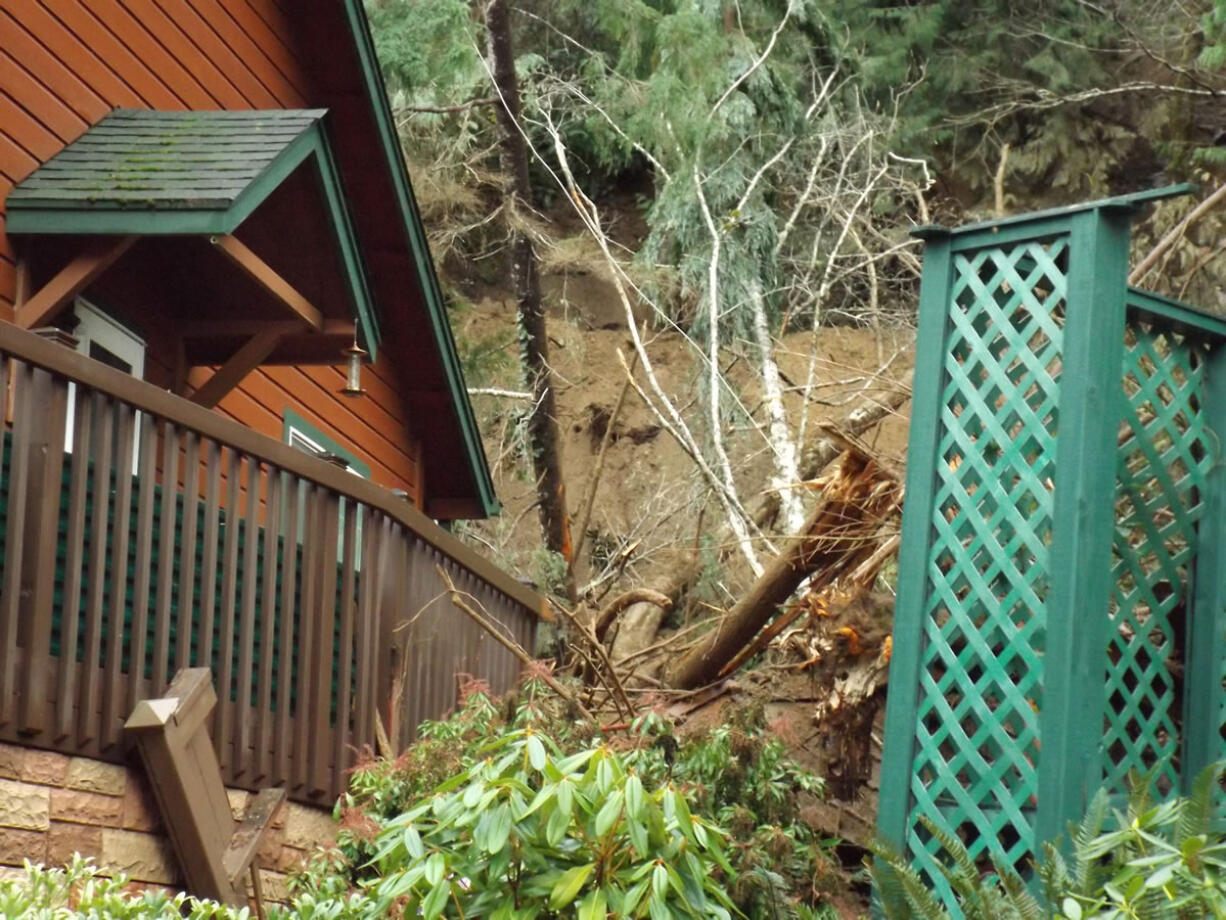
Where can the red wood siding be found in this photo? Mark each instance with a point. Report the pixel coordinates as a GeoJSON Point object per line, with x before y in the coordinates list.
{"type": "Point", "coordinates": [371, 427]}
{"type": "Point", "coordinates": [64, 64]}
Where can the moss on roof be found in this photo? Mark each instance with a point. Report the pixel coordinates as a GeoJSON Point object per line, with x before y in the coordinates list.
{"type": "Point", "coordinates": [164, 160]}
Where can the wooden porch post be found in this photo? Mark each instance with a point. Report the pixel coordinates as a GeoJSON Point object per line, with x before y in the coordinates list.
{"type": "Point", "coordinates": [172, 733]}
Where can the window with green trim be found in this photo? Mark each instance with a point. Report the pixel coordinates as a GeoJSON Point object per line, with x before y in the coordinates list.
{"type": "Point", "coordinates": [298, 432]}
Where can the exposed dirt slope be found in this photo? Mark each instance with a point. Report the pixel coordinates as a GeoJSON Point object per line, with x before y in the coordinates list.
{"type": "Point", "coordinates": [649, 491]}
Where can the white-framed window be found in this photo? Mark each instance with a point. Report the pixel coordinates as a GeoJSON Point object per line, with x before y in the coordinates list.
{"type": "Point", "coordinates": [103, 338]}
{"type": "Point", "coordinates": [298, 432]}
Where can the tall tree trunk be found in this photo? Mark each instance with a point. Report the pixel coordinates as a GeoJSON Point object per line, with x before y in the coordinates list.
{"type": "Point", "coordinates": [543, 442]}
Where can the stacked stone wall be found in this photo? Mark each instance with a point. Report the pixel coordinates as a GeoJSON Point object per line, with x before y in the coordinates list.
{"type": "Point", "coordinates": [53, 805]}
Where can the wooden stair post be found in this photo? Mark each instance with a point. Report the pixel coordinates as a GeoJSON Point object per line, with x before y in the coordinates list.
{"type": "Point", "coordinates": [214, 850]}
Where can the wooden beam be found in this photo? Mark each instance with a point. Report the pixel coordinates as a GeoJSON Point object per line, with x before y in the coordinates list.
{"type": "Point", "coordinates": [98, 255]}
{"type": "Point", "coordinates": [22, 292]}
{"type": "Point", "coordinates": [245, 360]}
{"type": "Point", "coordinates": [264, 275]}
{"type": "Point", "coordinates": [221, 328]}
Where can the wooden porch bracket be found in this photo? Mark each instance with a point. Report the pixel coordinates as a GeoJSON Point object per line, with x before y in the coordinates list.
{"type": "Point", "coordinates": [243, 362]}
{"type": "Point", "coordinates": [97, 256]}
{"type": "Point", "coordinates": [263, 274]}
{"type": "Point", "coordinates": [215, 852]}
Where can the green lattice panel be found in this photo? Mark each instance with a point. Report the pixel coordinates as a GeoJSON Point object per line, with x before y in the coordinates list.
{"type": "Point", "coordinates": [975, 770]}
{"type": "Point", "coordinates": [1164, 457]}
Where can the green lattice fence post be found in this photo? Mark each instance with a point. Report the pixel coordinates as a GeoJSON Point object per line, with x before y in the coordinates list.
{"type": "Point", "coordinates": [1071, 720]}
{"type": "Point", "coordinates": [899, 751]}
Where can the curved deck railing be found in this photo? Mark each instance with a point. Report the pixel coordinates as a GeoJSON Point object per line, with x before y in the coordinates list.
{"type": "Point", "coordinates": [142, 533]}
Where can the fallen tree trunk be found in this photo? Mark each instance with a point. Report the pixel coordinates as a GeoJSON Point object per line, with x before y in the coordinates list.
{"type": "Point", "coordinates": [639, 623]}
{"type": "Point", "coordinates": [839, 533]}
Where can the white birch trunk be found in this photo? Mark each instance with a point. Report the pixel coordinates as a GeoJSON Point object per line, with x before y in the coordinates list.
{"type": "Point", "coordinates": [786, 475]}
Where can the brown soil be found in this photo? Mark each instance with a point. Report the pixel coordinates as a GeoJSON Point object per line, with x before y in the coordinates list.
{"type": "Point", "coordinates": [650, 491]}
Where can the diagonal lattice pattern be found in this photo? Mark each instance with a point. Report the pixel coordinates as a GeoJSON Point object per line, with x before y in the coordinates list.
{"type": "Point", "coordinates": [1164, 457]}
{"type": "Point", "coordinates": [982, 666]}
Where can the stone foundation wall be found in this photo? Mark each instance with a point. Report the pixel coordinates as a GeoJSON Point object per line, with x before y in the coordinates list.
{"type": "Point", "coordinates": [52, 805]}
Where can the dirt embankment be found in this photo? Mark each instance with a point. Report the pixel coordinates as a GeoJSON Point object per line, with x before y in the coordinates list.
{"type": "Point", "coordinates": [650, 496]}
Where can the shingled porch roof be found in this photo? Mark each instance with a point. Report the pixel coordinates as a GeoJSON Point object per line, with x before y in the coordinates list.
{"type": "Point", "coordinates": [173, 173]}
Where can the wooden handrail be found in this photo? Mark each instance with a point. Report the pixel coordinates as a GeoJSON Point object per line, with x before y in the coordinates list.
{"type": "Point", "coordinates": [146, 397]}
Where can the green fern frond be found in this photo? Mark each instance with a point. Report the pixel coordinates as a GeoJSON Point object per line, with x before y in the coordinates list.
{"type": "Point", "coordinates": [1095, 817]}
{"type": "Point", "coordinates": [1197, 811]}
{"type": "Point", "coordinates": [1018, 896]}
{"type": "Point", "coordinates": [963, 877]}
{"type": "Point", "coordinates": [1088, 874]}
{"type": "Point", "coordinates": [924, 904]}
{"type": "Point", "coordinates": [1053, 873]}
{"type": "Point", "coordinates": [887, 868]}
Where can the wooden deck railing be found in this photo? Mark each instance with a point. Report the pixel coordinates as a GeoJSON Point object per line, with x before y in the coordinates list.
{"type": "Point", "coordinates": [143, 534]}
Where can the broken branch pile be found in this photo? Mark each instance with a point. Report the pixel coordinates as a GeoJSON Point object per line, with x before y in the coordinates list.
{"type": "Point", "coordinates": [855, 515]}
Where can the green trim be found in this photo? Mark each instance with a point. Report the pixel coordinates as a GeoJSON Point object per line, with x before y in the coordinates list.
{"type": "Point", "coordinates": [346, 241]}
{"type": "Point", "coordinates": [49, 221]}
{"type": "Point", "coordinates": [292, 419]}
{"type": "Point", "coordinates": [1128, 203]}
{"type": "Point", "coordinates": [1011, 235]}
{"type": "Point", "coordinates": [1180, 316]}
{"type": "Point", "coordinates": [416, 238]}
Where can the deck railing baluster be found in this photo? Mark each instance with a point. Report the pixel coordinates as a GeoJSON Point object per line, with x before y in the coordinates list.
{"type": "Point", "coordinates": [224, 671]}
{"type": "Point", "coordinates": [289, 640]}
{"type": "Point", "coordinates": [138, 637]}
{"type": "Point", "coordinates": [269, 617]}
{"type": "Point", "coordinates": [187, 556]}
{"type": "Point", "coordinates": [17, 506]}
{"type": "Point", "coordinates": [250, 590]}
{"type": "Point", "coordinates": [113, 697]}
{"type": "Point", "coordinates": [95, 600]}
{"type": "Point", "coordinates": [169, 526]}
{"type": "Point", "coordinates": [45, 477]}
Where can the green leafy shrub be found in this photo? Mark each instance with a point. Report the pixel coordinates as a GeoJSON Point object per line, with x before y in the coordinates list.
{"type": "Point", "coordinates": [527, 831]}
{"type": "Point", "coordinates": [1149, 860]}
{"type": "Point", "coordinates": [736, 776]}
{"type": "Point", "coordinates": [740, 775]}
{"type": "Point", "coordinates": [1153, 859]}
{"type": "Point", "coordinates": [79, 891]}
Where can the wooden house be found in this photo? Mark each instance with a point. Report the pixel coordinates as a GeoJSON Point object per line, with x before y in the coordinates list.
{"type": "Point", "coordinates": [205, 215]}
